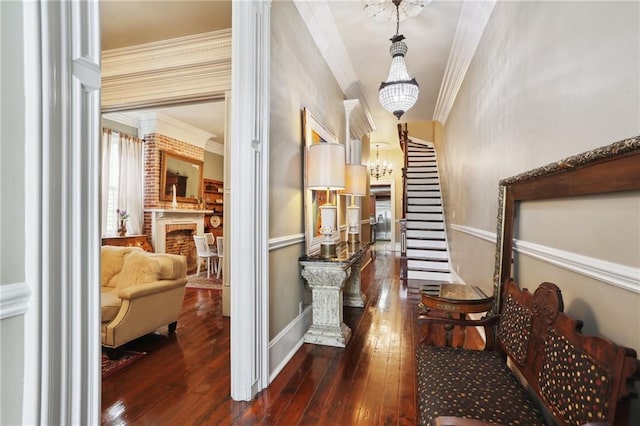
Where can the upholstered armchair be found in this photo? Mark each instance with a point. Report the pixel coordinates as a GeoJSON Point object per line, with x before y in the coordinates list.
{"type": "Point", "coordinates": [140, 291]}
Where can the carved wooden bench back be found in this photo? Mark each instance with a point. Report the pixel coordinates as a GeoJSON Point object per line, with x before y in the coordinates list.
{"type": "Point", "coordinates": [579, 378]}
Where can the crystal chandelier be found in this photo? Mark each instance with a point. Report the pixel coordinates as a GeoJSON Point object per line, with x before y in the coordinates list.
{"type": "Point", "coordinates": [378, 170]}
{"type": "Point", "coordinates": [400, 92]}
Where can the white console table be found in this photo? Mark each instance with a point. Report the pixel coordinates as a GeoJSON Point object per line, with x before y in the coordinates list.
{"type": "Point", "coordinates": [333, 282]}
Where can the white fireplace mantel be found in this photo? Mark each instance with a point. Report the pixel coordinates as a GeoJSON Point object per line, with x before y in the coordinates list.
{"type": "Point", "coordinates": [160, 218]}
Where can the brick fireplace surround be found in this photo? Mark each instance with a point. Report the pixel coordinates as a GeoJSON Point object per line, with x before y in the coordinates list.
{"type": "Point", "coordinates": [176, 227]}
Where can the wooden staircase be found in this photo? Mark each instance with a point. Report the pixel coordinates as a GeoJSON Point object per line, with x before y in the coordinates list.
{"type": "Point", "coordinates": [426, 256]}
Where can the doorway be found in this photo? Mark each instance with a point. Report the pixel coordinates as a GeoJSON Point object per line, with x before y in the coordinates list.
{"type": "Point", "coordinates": [382, 204]}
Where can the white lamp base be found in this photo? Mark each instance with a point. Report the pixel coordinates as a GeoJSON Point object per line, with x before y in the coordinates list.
{"type": "Point", "coordinates": [353, 221]}
{"type": "Point", "coordinates": [328, 214]}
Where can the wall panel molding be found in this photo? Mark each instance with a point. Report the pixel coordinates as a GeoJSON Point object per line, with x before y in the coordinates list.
{"type": "Point", "coordinates": [615, 274]}
{"type": "Point", "coordinates": [285, 241]}
{"type": "Point", "coordinates": [14, 299]}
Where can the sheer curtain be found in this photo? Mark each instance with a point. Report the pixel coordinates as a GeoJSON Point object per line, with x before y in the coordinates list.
{"type": "Point", "coordinates": [122, 181]}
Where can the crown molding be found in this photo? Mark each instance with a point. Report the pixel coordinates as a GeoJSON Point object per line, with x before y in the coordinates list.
{"type": "Point", "coordinates": [473, 19]}
{"type": "Point", "coordinates": [322, 27]}
{"type": "Point", "coordinates": [214, 147]}
{"type": "Point", "coordinates": [153, 122]}
{"type": "Point", "coordinates": [205, 48]}
{"type": "Point", "coordinates": [176, 70]}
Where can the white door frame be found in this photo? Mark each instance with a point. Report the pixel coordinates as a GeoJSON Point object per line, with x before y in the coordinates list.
{"type": "Point", "coordinates": [62, 133]}
{"type": "Point", "coordinates": [62, 129]}
{"type": "Point", "coordinates": [249, 225]}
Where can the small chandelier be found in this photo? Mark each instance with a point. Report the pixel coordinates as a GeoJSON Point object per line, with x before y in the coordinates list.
{"type": "Point", "coordinates": [378, 170]}
{"type": "Point", "coordinates": [400, 92]}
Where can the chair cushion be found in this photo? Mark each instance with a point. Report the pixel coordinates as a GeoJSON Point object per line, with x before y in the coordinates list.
{"type": "Point", "coordinates": [111, 261]}
{"type": "Point", "coordinates": [514, 330]}
{"type": "Point", "coordinates": [138, 268]}
{"type": "Point", "coordinates": [472, 384]}
{"type": "Point", "coordinates": [572, 382]}
{"type": "Point", "coordinates": [110, 304]}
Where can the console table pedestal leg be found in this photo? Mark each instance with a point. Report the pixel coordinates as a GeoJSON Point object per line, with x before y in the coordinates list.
{"type": "Point", "coordinates": [327, 327]}
{"type": "Point", "coordinates": [353, 295]}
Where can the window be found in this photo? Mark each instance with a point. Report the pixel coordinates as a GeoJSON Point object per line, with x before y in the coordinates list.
{"type": "Point", "coordinates": [122, 182]}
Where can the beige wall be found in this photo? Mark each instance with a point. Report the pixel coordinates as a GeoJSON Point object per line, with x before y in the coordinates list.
{"type": "Point", "coordinates": [12, 214]}
{"type": "Point", "coordinates": [213, 166]}
{"type": "Point", "coordinates": [299, 78]}
{"type": "Point", "coordinates": [549, 80]}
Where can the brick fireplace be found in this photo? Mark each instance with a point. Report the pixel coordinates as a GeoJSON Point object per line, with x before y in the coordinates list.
{"type": "Point", "coordinates": [179, 240]}
{"type": "Point", "coordinates": [172, 231]}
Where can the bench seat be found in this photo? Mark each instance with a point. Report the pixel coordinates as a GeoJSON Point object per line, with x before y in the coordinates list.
{"type": "Point", "coordinates": [471, 384]}
{"type": "Point", "coordinates": [573, 378]}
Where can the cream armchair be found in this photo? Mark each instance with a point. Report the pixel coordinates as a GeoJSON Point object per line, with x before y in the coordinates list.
{"type": "Point", "coordinates": [140, 291]}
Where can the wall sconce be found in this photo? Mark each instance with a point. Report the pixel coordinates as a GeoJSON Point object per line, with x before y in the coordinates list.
{"type": "Point", "coordinates": [326, 171]}
{"type": "Point", "coordinates": [356, 186]}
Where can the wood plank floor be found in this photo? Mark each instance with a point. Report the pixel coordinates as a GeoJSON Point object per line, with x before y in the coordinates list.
{"type": "Point", "coordinates": [184, 379]}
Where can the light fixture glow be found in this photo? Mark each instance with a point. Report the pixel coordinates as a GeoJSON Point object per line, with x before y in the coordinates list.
{"type": "Point", "coordinates": [399, 92]}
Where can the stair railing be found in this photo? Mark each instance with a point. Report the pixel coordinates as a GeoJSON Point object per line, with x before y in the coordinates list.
{"type": "Point", "coordinates": [403, 137]}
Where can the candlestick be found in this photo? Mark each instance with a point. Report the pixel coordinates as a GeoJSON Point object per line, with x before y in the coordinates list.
{"type": "Point", "coordinates": [174, 203]}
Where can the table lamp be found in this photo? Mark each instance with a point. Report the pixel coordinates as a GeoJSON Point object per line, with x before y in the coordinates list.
{"type": "Point", "coordinates": [325, 172]}
{"type": "Point", "coordinates": [356, 186]}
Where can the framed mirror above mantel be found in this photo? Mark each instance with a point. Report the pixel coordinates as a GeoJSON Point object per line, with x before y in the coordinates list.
{"type": "Point", "coordinates": [182, 175]}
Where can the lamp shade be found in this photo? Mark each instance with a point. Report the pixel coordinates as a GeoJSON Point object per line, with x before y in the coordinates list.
{"type": "Point", "coordinates": [326, 166]}
{"type": "Point", "coordinates": [355, 180]}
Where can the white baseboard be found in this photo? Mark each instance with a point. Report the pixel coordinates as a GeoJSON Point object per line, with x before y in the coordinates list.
{"type": "Point", "coordinates": [284, 346]}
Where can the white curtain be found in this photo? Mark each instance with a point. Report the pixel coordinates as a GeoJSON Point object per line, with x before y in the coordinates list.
{"type": "Point", "coordinates": [122, 181]}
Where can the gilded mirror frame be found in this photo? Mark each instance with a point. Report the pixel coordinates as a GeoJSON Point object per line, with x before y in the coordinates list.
{"type": "Point", "coordinates": [608, 169]}
{"type": "Point", "coordinates": [170, 162]}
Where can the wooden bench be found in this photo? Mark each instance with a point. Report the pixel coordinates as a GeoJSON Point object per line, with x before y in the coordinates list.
{"type": "Point", "coordinates": [542, 370]}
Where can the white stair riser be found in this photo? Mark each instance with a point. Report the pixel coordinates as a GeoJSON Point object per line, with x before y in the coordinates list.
{"type": "Point", "coordinates": [423, 208]}
{"type": "Point", "coordinates": [422, 216]}
{"type": "Point", "coordinates": [412, 223]}
{"type": "Point", "coordinates": [420, 275]}
{"type": "Point", "coordinates": [418, 202]}
{"type": "Point", "coordinates": [423, 180]}
{"type": "Point", "coordinates": [432, 254]}
{"type": "Point", "coordinates": [424, 234]}
{"type": "Point", "coordinates": [427, 264]}
{"type": "Point", "coordinates": [424, 169]}
{"type": "Point", "coordinates": [426, 231]}
{"type": "Point", "coordinates": [430, 233]}
{"type": "Point", "coordinates": [423, 194]}
{"type": "Point", "coordinates": [422, 190]}
{"type": "Point", "coordinates": [426, 226]}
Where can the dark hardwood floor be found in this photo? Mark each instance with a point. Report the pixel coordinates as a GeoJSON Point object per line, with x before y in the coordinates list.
{"type": "Point", "coordinates": [184, 379]}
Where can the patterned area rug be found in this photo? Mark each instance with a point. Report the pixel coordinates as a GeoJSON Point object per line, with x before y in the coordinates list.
{"type": "Point", "coordinates": [110, 366]}
{"type": "Point", "coordinates": [201, 281]}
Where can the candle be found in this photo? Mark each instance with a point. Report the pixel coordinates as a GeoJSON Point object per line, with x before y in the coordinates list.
{"type": "Point", "coordinates": [174, 203]}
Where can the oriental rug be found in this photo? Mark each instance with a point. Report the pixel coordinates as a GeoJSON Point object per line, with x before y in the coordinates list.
{"type": "Point", "coordinates": [111, 366]}
{"type": "Point", "coordinates": [202, 282]}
